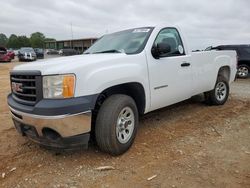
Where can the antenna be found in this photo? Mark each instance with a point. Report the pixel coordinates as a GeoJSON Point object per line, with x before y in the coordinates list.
{"type": "Point", "coordinates": [71, 30]}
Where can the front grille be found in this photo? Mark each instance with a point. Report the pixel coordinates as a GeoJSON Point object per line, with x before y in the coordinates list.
{"type": "Point", "coordinates": [26, 88]}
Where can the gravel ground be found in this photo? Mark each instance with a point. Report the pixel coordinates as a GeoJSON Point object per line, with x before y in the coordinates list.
{"type": "Point", "coordinates": [185, 145]}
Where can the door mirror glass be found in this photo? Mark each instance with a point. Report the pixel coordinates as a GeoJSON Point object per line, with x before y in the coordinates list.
{"type": "Point", "coordinates": [163, 48]}
{"type": "Point", "coordinates": [160, 50]}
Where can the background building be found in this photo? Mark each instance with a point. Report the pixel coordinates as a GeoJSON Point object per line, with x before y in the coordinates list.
{"type": "Point", "coordinates": [77, 44]}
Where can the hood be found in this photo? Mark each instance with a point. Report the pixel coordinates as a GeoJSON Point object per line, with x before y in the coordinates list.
{"type": "Point", "coordinates": [69, 64]}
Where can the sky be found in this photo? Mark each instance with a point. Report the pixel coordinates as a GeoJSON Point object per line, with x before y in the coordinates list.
{"type": "Point", "coordinates": [204, 23]}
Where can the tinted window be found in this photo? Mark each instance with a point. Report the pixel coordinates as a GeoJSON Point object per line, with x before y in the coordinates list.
{"type": "Point", "coordinates": [227, 48]}
{"type": "Point", "coordinates": [39, 50]}
{"type": "Point", "coordinates": [26, 50]}
{"type": "Point", "coordinates": [246, 50]}
{"type": "Point", "coordinates": [172, 38]}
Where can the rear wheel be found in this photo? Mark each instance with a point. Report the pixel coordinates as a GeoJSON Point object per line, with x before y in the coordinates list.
{"type": "Point", "coordinates": [116, 124]}
{"type": "Point", "coordinates": [220, 93]}
{"type": "Point", "coordinates": [243, 71]}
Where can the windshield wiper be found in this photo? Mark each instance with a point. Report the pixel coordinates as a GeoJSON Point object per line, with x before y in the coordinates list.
{"type": "Point", "coordinates": [108, 51]}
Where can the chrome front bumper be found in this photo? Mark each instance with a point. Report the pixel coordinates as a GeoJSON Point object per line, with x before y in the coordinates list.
{"type": "Point", "coordinates": [67, 125]}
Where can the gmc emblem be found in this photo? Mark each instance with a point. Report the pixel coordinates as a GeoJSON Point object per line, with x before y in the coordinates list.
{"type": "Point", "coordinates": [17, 87]}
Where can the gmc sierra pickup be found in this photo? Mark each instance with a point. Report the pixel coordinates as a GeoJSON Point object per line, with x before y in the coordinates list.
{"type": "Point", "coordinates": [60, 102]}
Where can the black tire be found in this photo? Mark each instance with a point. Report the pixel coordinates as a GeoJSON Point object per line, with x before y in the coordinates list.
{"type": "Point", "coordinates": [243, 71]}
{"type": "Point", "coordinates": [212, 97]}
{"type": "Point", "coordinates": [106, 124]}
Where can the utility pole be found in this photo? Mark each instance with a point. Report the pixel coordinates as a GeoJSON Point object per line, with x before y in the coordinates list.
{"type": "Point", "coordinates": [71, 35]}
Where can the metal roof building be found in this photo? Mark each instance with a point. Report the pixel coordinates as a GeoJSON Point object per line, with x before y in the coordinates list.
{"type": "Point", "coordinates": [77, 44]}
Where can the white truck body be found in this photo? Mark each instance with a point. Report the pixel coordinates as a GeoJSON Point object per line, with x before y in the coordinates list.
{"type": "Point", "coordinates": [97, 72]}
{"type": "Point", "coordinates": [164, 80]}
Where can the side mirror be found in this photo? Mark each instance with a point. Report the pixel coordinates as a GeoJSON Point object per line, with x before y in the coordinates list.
{"type": "Point", "coordinates": [160, 49]}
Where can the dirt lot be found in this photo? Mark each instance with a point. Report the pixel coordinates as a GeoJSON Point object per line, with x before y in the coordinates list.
{"type": "Point", "coordinates": [186, 145]}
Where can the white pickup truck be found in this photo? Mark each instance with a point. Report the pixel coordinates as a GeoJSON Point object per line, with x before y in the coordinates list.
{"type": "Point", "coordinates": [60, 102]}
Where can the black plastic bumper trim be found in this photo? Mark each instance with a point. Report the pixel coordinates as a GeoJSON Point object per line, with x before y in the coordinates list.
{"type": "Point", "coordinates": [69, 143]}
{"type": "Point", "coordinates": [53, 107]}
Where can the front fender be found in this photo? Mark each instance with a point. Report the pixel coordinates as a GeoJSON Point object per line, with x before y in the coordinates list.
{"type": "Point", "coordinates": [103, 76]}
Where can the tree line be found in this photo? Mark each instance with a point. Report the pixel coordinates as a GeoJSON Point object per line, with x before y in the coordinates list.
{"type": "Point", "coordinates": [36, 40]}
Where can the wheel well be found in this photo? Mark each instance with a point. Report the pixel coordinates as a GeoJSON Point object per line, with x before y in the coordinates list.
{"type": "Point", "coordinates": [247, 63]}
{"type": "Point", "coordinates": [225, 72]}
{"type": "Point", "coordinates": [132, 89]}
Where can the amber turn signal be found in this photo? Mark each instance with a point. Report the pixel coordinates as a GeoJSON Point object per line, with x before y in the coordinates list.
{"type": "Point", "coordinates": [68, 86]}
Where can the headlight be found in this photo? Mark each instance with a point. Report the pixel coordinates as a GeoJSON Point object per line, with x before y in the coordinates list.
{"type": "Point", "coordinates": [59, 86]}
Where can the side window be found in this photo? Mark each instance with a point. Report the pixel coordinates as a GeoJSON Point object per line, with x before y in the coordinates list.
{"type": "Point", "coordinates": [246, 50]}
{"type": "Point", "coordinates": [171, 37]}
{"type": "Point", "coordinates": [234, 49]}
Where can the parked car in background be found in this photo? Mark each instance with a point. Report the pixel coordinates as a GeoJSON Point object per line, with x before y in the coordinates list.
{"type": "Point", "coordinates": [27, 54]}
{"type": "Point", "coordinates": [11, 54]}
{"type": "Point", "coordinates": [68, 52]}
{"type": "Point", "coordinates": [4, 57]}
{"type": "Point", "coordinates": [16, 52]}
{"type": "Point", "coordinates": [243, 53]}
{"type": "Point", "coordinates": [39, 53]}
{"type": "Point", "coordinates": [51, 51]}
{"type": "Point", "coordinates": [60, 52]}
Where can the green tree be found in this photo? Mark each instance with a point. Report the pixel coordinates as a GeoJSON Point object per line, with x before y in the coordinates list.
{"type": "Point", "coordinates": [23, 41]}
{"type": "Point", "coordinates": [3, 39]}
{"type": "Point", "coordinates": [13, 42]}
{"type": "Point", "coordinates": [49, 39]}
{"type": "Point", "coordinates": [37, 40]}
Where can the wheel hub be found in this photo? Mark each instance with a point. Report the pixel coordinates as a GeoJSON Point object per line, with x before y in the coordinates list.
{"type": "Point", "coordinates": [125, 125]}
{"type": "Point", "coordinates": [243, 71]}
{"type": "Point", "coordinates": [221, 91]}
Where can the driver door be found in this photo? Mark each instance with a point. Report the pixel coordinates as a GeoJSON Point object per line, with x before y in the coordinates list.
{"type": "Point", "coordinates": [171, 74]}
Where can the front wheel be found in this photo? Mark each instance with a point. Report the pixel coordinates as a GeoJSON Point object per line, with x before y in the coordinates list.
{"type": "Point", "coordinates": [243, 71]}
{"type": "Point", "coordinates": [220, 93]}
{"type": "Point", "coordinates": [116, 124]}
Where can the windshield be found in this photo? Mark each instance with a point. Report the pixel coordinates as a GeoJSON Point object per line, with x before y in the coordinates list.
{"type": "Point", "coordinates": [38, 50]}
{"type": "Point", "coordinates": [26, 50]}
{"type": "Point", "coordinates": [130, 41]}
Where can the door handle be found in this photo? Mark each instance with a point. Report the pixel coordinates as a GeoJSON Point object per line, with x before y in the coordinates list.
{"type": "Point", "coordinates": [185, 64]}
